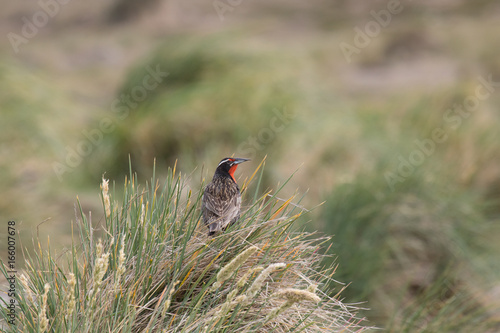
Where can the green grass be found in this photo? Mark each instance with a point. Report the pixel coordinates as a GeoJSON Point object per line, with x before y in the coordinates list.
{"type": "Point", "coordinates": [33, 130]}
{"type": "Point", "coordinates": [151, 267]}
{"type": "Point", "coordinates": [217, 93]}
{"type": "Point", "coordinates": [422, 258]}
{"type": "Point", "coordinates": [414, 253]}
{"type": "Point", "coordinates": [444, 306]}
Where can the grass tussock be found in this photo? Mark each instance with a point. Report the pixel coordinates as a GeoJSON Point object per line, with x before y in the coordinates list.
{"type": "Point", "coordinates": [420, 246]}
{"type": "Point", "coordinates": [150, 267]}
{"type": "Point", "coordinates": [186, 115]}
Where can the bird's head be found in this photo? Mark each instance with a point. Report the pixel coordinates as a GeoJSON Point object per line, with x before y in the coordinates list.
{"type": "Point", "coordinates": [228, 165]}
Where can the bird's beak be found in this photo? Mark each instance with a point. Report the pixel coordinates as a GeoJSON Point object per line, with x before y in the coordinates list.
{"type": "Point", "coordinates": [239, 160]}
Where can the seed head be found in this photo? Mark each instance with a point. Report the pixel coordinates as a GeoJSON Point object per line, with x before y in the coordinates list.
{"type": "Point", "coordinates": [105, 196]}
{"type": "Point", "coordinates": [228, 270]}
{"type": "Point", "coordinates": [43, 321]}
{"type": "Point", "coordinates": [259, 281]}
{"type": "Point", "coordinates": [70, 296]}
{"type": "Point", "coordinates": [26, 287]}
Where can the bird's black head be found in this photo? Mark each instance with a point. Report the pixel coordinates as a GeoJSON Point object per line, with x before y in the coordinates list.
{"type": "Point", "coordinates": [228, 165]}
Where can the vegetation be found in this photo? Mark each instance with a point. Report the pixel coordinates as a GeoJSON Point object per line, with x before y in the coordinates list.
{"type": "Point", "coordinates": [153, 268]}
{"type": "Point", "coordinates": [415, 244]}
{"type": "Point", "coordinates": [409, 249]}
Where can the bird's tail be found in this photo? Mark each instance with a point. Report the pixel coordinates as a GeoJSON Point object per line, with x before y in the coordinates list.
{"type": "Point", "coordinates": [213, 228]}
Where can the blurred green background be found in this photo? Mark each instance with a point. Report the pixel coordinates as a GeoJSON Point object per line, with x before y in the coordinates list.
{"type": "Point", "coordinates": [389, 110]}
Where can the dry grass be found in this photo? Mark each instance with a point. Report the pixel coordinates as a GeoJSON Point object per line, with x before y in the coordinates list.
{"type": "Point", "coordinates": [153, 268]}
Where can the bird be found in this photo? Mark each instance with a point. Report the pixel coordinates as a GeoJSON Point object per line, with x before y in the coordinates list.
{"type": "Point", "coordinates": [221, 201]}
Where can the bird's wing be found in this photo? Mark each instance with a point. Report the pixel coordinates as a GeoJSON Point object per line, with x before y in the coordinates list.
{"type": "Point", "coordinates": [216, 207]}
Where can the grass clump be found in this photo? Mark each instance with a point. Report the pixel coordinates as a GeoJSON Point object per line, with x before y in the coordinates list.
{"type": "Point", "coordinates": [204, 104]}
{"type": "Point", "coordinates": [151, 267]}
{"type": "Point", "coordinates": [420, 246]}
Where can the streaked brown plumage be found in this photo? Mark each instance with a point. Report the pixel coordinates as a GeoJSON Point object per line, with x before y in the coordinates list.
{"type": "Point", "coordinates": [221, 202]}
